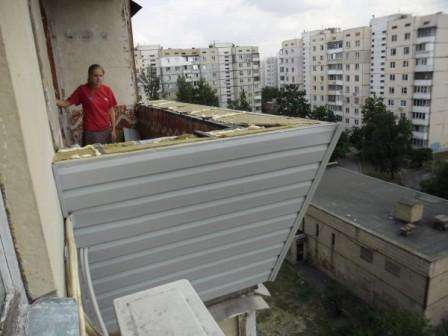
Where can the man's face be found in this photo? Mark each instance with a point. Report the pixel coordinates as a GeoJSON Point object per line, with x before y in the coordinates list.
{"type": "Point", "coordinates": [97, 77]}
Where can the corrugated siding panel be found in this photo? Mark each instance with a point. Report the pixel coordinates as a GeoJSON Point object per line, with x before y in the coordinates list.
{"type": "Point", "coordinates": [216, 213]}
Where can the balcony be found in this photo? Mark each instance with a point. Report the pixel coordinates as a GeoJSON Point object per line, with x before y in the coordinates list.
{"type": "Point", "coordinates": [423, 109]}
{"type": "Point", "coordinates": [335, 50]}
{"type": "Point", "coordinates": [424, 68]}
{"type": "Point", "coordinates": [425, 39]}
{"type": "Point", "coordinates": [420, 95]}
{"type": "Point", "coordinates": [422, 82]}
{"type": "Point", "coordinates": [210, 196]}
{"type": "Point", "coordinates": [420, 122]}
{"type": "Point", "coordinates": [335, 92]}
{"type": "Point", "coordinates": [335, 102]}
{"type": "Point", "coordinates": [335, 71]}
{"type": "Point", "coordinates": [420, 135]}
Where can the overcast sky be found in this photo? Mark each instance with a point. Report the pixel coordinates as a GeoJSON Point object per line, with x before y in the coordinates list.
{"type": "Point", "coordinates": [264, 23]}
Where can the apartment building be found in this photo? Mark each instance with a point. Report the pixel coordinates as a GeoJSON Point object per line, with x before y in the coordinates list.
{"type": "Point", "coordinates": [354, 237]}
{"type": "Point", "coordinates": [269, 72]}
{"type": "Point", "coordinates": [338, 71]}
{"type": "Point", "coordinates": [290, 63]}
{"type": "Point", "coordinates": [401, 58]}
{"type": "Point", "coordinates": [227, 68]}
{"type": "Point", "coordinates": [148, 56]}
{"type": "Point", "coordinates": [410, 73]}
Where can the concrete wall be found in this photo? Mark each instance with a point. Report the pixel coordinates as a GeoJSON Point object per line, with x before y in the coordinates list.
{"type": "Point", "coordinates": [26, 154]}
{"type": "Point", "coordinates": [86, 32]}
{"type": "Point", "coordinates": [409, 289]}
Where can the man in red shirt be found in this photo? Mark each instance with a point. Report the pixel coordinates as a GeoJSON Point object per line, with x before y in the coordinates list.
{"type": "Point", "coordinates": [98, 102]}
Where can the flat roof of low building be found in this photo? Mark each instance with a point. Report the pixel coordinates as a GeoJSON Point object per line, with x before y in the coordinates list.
{"type": "Point", "coordinates": [369, 203]}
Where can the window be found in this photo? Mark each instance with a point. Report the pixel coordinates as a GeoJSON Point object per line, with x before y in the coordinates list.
{"type": "Point", "coordinates": [347, 67]}
{"type": "Point", "coordinates": [333, 239]}
{"type": "Point", "coordinates": [420, 47]}
{"type": "Point", "coordinates": [407, 36]}
{"type": "Point", "coordinates": [392, 64]}
{"type": "Point", "coordinates": [405, 64]}
{"type": "Point", "coordinates": [393, 51]}
{"type": "Point", "coordinates": [347, 78]}
{"type": "Point", "coordinates": [390, 102]}
{"type": "Point", "coordinates": [394, 38]}
{"type": "Point", "coordinates": [366, 254]}
{"type": "Point", "coordinates": [421, 61]}
{"type": "Point", "coordinates": [392, 268]}
{"type": "Point", "coordinates": [357, 43]}
{"type": "Point", "coordinates": [347, 44]}
{"type": "Point", "coordinates": [392, 77]}
{"type": "Point", "coordinates": [347, 120]}
{"type": "Point", "coordinates": [406, 51]}
{"type": "Point", "coordinates": [391, 90]}
{"type": "Point", "coordinates": [403, 103]}
{"type": "Point", "coordinates": [356, 122]}
{"type": "Point", "coordinates": [317, 230]}
{"type": "Point", "coordinates": [356, 66]}
{"type": "Point", "coordinates": [356, 78]}
{"type": "Point", "coordinates": [404, 77]}
{"type": "Point", "coordinates": [404, 90]}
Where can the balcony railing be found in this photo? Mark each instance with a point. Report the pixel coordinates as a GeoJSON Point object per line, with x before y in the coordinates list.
{"type": "Point", "coordinates": [423, 109]}
{"type": "Point", "coordinates": [420, 122]}
{"type": "Point", "coordinates": [420, 135]}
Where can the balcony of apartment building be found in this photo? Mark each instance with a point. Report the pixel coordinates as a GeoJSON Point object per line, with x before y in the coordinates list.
{"type": "Point", "coordinates": [420, 132]}
{"type": "Point", "coordinates": [335, 47]}
{"type": "Point", "coordinates": [335, 100]}
{"type": "Point", "coordinates": [335, 69]}
{"type": "Point", "coordinates": [422, 92]}
{"type": "Point", "coordinates": [426, 35]}
{"type": "Point", "coordinates": [335, 90]}
{"type": "Point", "coordinates": [337, 79]}
{"type": "Point", "coordinates": [424, 49]}
{"type": "Point", "coordinates": [421, 105]}
{"type": "Point", "coordinates": [190, 192]}
{"type": "Point", "coordinates": [420, 119]}
{"type": "Point", "coordinates": [423, 63]}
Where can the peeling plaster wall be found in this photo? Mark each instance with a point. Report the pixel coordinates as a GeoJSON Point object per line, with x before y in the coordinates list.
{"type": "Point", "coordinates": [54, 116]}
{"type": "Point", "coordinates": [26, 154]}
{"type": "Point", "coordinates": [93, 31]}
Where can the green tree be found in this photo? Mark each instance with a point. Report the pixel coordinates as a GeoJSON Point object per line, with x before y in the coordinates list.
{"type": "Point", "coordinates": [385, 143]}
{"type": "Point", "coordinates": [437, 184]}
{"type": "Point", "coordinates": [342, 147]}
{"type": "Point", "coordinates": [150, 82]}
{"type": "Point", "coordinates": [185, 90]}
{"type": "Point", "coordinates": [323, 113]}
{"type": "Point", "coordinates": [202, 93]}
{"type": "Point", "coordinates": [419, 156]}
{"type": "Point", "coordinates": [356, 137]}
{"type": "Point", "coordinates": [292, 102]}
{"type": "Point", "coordinates": [269, 93]}
{"type": "Point", "coordinates": [242, 104]}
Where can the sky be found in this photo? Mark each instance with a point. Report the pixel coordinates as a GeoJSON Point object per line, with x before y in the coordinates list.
{"type": "Point", "coordinates": [263, 23]}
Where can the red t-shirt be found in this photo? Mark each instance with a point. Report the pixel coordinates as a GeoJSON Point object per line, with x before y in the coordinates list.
{"type": "Point", "coordinates": [96, 104]}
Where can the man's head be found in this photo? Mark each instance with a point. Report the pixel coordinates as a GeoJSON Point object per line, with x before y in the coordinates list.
{"type": "Point", "coordinates": [95, 75]}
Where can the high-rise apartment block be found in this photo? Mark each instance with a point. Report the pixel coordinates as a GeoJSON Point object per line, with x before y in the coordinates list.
{"type": "Point", "coordinates": [290, 60]}
{"type": "Point", "coordinates": [227, 68]}
{"type": "Point", "coordinates": [269, 72]}
{"type": "Point", "coordinates": [400, 58]}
